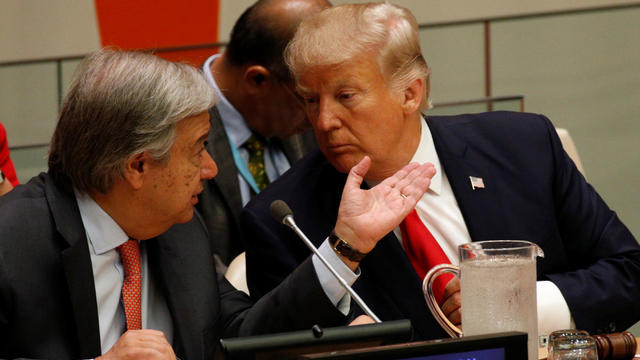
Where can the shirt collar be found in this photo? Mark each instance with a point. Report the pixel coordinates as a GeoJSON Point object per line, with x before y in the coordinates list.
{"type": "Point", "coordinates": [233, 122]}
{"type": "Point", "coordinates": [426, 152]}
{"type": "Point", "coordinates": [103, 232]}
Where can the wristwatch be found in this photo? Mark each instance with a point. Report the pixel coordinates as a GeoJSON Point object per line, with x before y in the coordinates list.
{"type": "Point", "coordinates": [343, 248]}
{"type": "Point", "coordinates": [2, 178]}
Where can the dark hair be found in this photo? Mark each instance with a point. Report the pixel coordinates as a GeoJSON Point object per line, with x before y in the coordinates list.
{"type": "Point", "coordinates": [257, 38]}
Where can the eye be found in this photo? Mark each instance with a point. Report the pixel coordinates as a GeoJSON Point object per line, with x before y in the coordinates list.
{"type": "Point", "coordinates": [344, 96]}
{"type": "Point", "coordinates": [310, 100]}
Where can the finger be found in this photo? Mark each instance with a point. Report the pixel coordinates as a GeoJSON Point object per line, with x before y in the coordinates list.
{"type": "Point", "coordinates": [362, 320]}
{"type": "Point", "coordinates": [393, 180]}
{"type": "Point", "coordinates": [141, 344]}
{"type": "Point", "coordinates": [417, 174]}
{"type": "Point", "coordinates": [357, 173]}
{"type": "Point", "coordinates": [145, 335]}
{"type": "Point", "coordinates": [415, 184]}
{"type": "Point", "coordinates": [150, 339]}
{"type": "Point", "coordinates": [452, 287]}
{"type": "Point", "coordinates": [455, 317]}
{"type": "Point", "coordinates": [451, 304]}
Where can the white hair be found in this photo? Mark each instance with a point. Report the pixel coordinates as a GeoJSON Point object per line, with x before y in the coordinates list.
{"type": "Point", "coordinates": [122, 103]}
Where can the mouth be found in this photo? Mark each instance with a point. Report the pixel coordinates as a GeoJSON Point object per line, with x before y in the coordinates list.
{"type": "Point", "coordinates": [194, 198]}
{"type": "Point", "coordinates": [338, 147]}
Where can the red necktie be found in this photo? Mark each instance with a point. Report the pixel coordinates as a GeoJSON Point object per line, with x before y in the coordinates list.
{"type": "Point", "coordinates": [424, 252]}
{"type": "Point", "coordinates": [132, 286]}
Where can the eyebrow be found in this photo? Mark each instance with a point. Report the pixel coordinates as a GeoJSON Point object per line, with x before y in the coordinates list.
{"type": "Point", "coordinates": [302, 89]}
{"type": "Point", "coordinates": [338, 84]}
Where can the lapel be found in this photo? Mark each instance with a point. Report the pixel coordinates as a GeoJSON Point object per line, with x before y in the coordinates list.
{"type": "Point", "coordinates": [77, 268]}
{"type": "Point", "coordinates": [187, 279]}
{"type": "Point", "coordinates": [478, 207]}
{"type": "Point", "coordinates": [220, 150]}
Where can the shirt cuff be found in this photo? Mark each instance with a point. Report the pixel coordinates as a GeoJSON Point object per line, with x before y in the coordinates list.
{"type": "Point", "coordinates": [331, 286]}
{"type": "Point", "coordinates": [553, 311]}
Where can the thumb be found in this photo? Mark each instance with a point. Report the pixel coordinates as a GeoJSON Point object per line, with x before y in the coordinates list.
{"type": "Point", "coordinates": [357, 173]}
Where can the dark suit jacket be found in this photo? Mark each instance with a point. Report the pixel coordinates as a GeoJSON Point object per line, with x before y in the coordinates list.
{"type": "Point", "coordinates": [47, 295]}
{"type": "Point", "coordinates": [220, 202]}
{"type": "Point", "coordinates": [533, 192]}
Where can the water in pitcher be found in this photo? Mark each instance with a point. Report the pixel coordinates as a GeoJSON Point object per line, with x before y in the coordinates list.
{"type": "Point", "coordinates": [499, 294]}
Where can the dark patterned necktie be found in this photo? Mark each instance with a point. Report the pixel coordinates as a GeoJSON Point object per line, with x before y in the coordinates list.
{"type": "Point", "coordinates": [255, 147]}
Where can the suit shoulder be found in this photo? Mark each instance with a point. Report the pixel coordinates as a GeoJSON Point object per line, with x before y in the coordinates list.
{"type": "Point", "coordinates": [26, 221]}
{"type": "Point", "coordinates": [493, 118]}
{"type": "Point", "coordinates": [24, 199]}
{"type": "Point", "coordinates": [497, 125]}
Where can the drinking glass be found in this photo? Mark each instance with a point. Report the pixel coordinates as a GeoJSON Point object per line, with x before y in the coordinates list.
{"type": "Point", "coordinates": [575, 347]}
{"type": "Point", "coordinates": [561, 334]}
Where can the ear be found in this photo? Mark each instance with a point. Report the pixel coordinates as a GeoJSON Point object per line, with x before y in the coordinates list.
{"type": "Point", "coordinates": [413, 96]}
{"type": "Point", "coordinates": [257, 79]}
{"type": "Point", "coordinates": [136, 170]}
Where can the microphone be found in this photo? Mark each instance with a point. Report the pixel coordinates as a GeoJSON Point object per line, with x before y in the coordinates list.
{"type": "Point", "coordinates": [283, 214]}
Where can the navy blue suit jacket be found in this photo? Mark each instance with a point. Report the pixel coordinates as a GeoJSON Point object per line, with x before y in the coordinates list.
{"type": "Point", "coordinates": [533, 192]}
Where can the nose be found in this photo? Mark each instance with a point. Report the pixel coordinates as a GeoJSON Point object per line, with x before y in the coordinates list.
{"type": "Point", "coordinates": [326, 117]}
{"type": "Point", "coordinates": [208, 169]}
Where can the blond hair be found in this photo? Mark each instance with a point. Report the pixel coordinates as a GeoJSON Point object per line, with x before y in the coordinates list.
{"type": "Point", "coordinates": [341, 34]}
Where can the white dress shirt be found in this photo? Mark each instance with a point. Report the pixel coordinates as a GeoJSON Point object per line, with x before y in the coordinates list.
{"type": "Point", "coordinates": [104, 235]}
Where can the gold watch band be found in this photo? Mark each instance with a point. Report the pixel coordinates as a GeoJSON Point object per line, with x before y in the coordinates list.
{"type": "Point", "coordinates": [343, 248]}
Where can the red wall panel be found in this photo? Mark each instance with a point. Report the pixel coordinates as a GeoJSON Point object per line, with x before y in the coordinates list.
{"type": "Point", "coordinates": [149, 24]}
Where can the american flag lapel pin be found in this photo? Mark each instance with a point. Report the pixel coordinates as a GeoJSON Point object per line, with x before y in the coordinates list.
{"type": "Point", "coordinates": [476, 182]}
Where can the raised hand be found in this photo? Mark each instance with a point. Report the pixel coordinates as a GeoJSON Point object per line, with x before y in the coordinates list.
{"type": "Point", "coordinates": [365, 216]}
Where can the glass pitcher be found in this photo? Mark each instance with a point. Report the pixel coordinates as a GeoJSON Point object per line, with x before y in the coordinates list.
{"type": "Point", "coordinates": [497, 289]}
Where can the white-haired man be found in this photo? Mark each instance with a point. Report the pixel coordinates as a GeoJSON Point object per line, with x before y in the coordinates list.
{"type": "Point", "coordinates": [499, 176]}
{"type": "Point", "coordinates": [103, 255]}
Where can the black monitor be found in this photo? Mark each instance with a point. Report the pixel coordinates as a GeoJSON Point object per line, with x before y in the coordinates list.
{"type": "Point", "coordinates": [291, 345]}
{"type": "Point", "coordinates": [500, 346]}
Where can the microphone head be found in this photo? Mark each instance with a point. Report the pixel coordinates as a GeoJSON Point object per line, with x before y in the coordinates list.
{"type": "Point", "coordinates": [280, 210]}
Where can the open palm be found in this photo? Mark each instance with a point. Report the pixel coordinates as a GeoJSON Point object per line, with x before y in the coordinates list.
{"type": "Point", "coordinates": [365, 216]}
